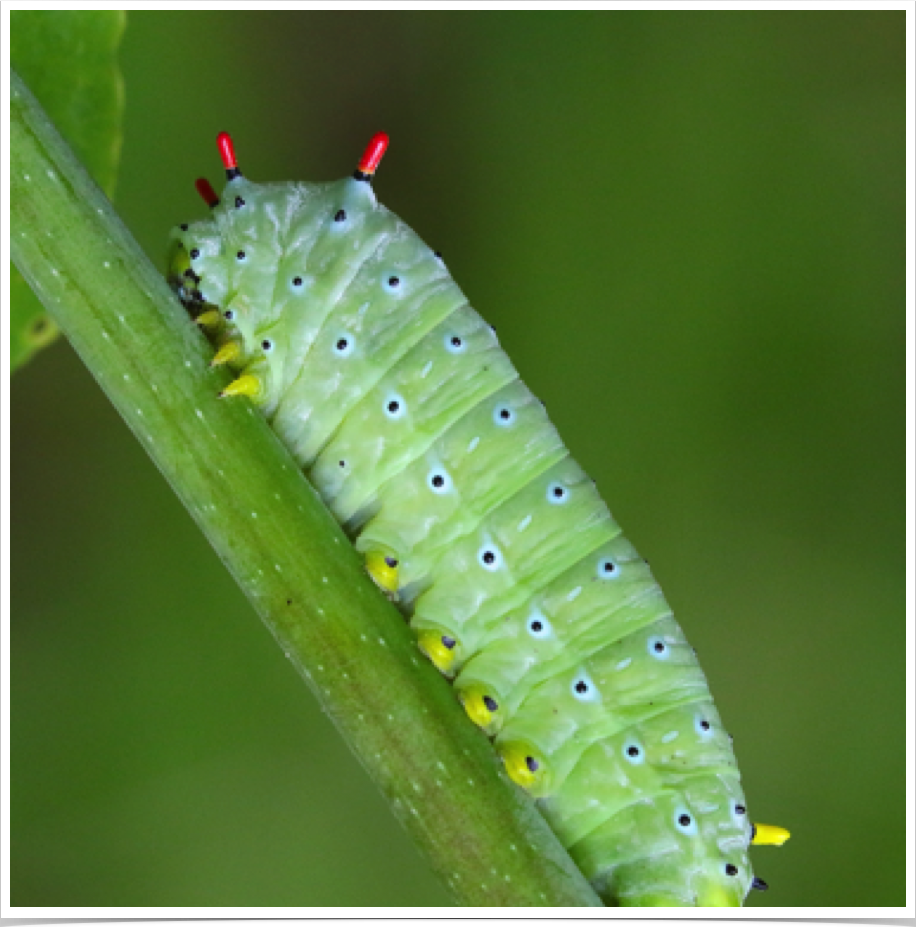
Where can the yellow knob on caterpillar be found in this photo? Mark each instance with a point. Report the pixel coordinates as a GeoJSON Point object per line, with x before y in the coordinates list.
{"type": "Point", "coordinates": [209, 319]}
{"type": "Point", "coordinates": [439, 647]}
{"type": "Point", "coordinates": [481, 707]}
{"type": "Point", "coordinates": [770, 835]}
{"type": "Point", "coordinates": [246, 385]}
{"type": "Point", "coordinates": [383, 568]}
{"type": "Point", "coordinates": [229, 352]}
{"type": "Point", "coordinates": [525, 767]}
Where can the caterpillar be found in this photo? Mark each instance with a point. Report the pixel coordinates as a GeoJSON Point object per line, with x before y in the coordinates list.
{"type": "Point", "coordinates": [394, 397]}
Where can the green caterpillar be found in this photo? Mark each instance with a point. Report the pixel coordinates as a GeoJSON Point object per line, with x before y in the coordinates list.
{"type": "Point", "coordinates": [393, 395]}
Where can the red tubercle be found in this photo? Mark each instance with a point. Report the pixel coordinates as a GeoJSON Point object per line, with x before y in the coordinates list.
{"type": "Point", "coordinates": [226, 151]}
{"type": "Point", "coordinates": [372, 156]}
{"type": "Point", "coordinates": [206, 191]}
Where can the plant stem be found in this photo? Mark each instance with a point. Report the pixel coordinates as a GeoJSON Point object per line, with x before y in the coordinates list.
{"type": "Point", "coordinates": [483, 836]}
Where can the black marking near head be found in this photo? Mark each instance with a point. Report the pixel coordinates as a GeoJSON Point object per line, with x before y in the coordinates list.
{"type": "Point", "coordinates": [490, 703]}
{"type": "Point", "coordinates": [239, 202]}
{"type": "Point", "coordinates": [731, 869]}
{"type": "Point", "coordinates": [391, 562]}
{"type": "Point", "coordinates": [340, 216]}
{"type": "Point", "coordinates": [532, 764]}
{"type": "Point", "coordinates": [448, 642]}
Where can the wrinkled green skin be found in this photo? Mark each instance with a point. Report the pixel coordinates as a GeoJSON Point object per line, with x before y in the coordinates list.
{"type": "Point", "coordinates": [607, 627]}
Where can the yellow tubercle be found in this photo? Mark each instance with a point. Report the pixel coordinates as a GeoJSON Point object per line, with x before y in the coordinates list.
{"type": "Point", "coordinates": [770, 835]}
{"type": "Point", "coordinates": [525, 767]}
{"type": "Point", "coordinates": [477, 702]}
{"type": "Point", "coordinates": [383, 568]}
{"type": "Point", "coordinates": [246, 385]}
{"type": "Point", "coordinates": [209, 319]}
{"type": "Point", "coordinates": [438, 647]}
{"type": "Point", "coordinates": [229, 352]}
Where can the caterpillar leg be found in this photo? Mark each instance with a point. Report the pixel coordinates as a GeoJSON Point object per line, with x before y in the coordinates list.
{"type": "Point", "coordinates": [246, 385]}
{"type": "Point", "coordinates": [383, 568]}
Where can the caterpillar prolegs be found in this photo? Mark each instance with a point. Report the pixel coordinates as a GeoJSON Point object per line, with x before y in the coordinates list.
{"type": "Point", "coordinates": [395, 398]}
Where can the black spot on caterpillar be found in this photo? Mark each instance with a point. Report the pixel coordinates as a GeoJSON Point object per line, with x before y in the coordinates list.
{"type": "Point", "coordinates": [395, 398]}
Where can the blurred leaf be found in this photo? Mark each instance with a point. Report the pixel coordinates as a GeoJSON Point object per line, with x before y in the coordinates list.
{"type": "Point", "coordinates": [68, 61]}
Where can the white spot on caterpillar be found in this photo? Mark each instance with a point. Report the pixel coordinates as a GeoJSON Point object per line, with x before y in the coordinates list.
{"type": "Point", "coordinates": [574, 594]}
{"type": "Point", "coordinates": [26, 177]}
{"type": "Point", "coordinates": [277, 568]}
{"type": "Point", "coordinates": [426, 369]}
{"type": "Point", "coordinates": [623, 664]}
{"type": "Point", "coordinates": [324, 579]}
{"type": "Point", "coordinates": [473, 445]}
{"type": "Point", "coordinates": [107, 265]}
{"type": "Point", "coordinates": [126, 377]}
{"type": "Point", "coordinates": [52, 175]}
{"type": "Point", "coordinates": [383, 642]}
{"type": "Point", "coordinates": [395, 407]}
{"type": "Point", "coordinates": [538, 625]}
{"type": "Point", "coordinates": [584, 689]}
{"type": "Point", "coordinates": [490, 557]}
{"type": "Point", "coordinates": [524, 523]}
{"type": "Point", "coordinates": [199, 414]}
{"type": "Point", "coordinates": [321, 668]}
{"type": "Point", "coordinates": [154, 387]}
{"type": "Point", "coordinates": [254, 514]}
{"type": "Point", "coordinates": [557, 494]}
{"type": "Point", "coordinates": [671, 735]}
{"type": "Point", "coordinates": [363, 637]}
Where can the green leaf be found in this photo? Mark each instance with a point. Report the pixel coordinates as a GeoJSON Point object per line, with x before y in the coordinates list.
{"type": "Point", "coordinates": [68, 60]}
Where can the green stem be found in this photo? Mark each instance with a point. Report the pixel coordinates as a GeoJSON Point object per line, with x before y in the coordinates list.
{"type": "Point", "coordinates": [483, 836]}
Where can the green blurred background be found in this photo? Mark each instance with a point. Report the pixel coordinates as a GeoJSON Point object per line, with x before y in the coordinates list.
{"type": "Point", "coordinates": [689, 230]}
